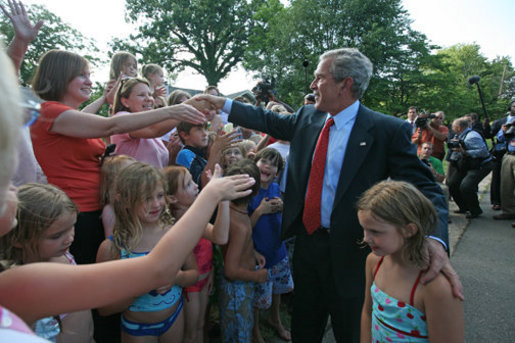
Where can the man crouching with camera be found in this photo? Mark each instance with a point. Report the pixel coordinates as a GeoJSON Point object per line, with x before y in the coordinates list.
{"type": "Point", "coordinates": [470, 162]}
{"type": "Point", "coordinates": [429, 128]}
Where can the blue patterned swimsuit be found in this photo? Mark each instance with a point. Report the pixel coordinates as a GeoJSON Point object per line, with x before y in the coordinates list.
{"type": "Point", "coordinates": [394, 320]}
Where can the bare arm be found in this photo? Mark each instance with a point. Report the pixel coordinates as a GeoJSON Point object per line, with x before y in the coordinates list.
{"type": "Point", "coordinates": [24, 31]}
{"type": "Point", "coordinates": [366, 313]}
{"type": "Point", "coordinates": [107, 252]}
{"type": "Point", "coordinates": [439, 135]}
{"type": "Point", "coordinates": [109, 89]}
{"type": "Point", "coordinates": [215, 154]}
{"type": "Point", "coordinates": [417, 136]}
{"type": "Point", "coordinates": [232, 261]}
{"type": "Point", "coordinates": [63, 288]}
{"type": "Point", "coordinates": [84, 125]}
{"type": "Point", "coordinates": [188, 275]}
{"type": "Point", "coordinates": [444, 312]}
{"type": "Point", "coordinates": [263, 142]}
{"type": "Point", "coordinates": [219, 233]}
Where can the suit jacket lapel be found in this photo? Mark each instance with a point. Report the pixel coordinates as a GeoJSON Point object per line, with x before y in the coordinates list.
{"type": "Point", "coordinates": [358, 146]}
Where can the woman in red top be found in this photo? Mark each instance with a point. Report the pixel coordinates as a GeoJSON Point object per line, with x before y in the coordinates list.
{"type": "Point", "coordinates": [67, 141]}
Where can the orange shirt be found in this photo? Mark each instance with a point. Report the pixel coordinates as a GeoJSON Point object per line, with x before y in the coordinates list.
{"type": "Point", "coordinates": [72, 164]}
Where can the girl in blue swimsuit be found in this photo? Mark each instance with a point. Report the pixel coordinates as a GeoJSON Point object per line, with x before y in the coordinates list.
{"type": "Point", "coordinates": [142, 218]}
{"type": "Point", "coordinates": [395, 218]}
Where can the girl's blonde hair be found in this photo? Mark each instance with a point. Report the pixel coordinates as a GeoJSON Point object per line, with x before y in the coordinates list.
{"type": "Point", "coordinates": [39, 206]}
{"type": "Point", "coordinates": [399, 203]}
{"type": "Point", "coordinates": [117, 61]}
{"type": "Point", "coordinates": [150, 69]}
{"type": "Point", "coordinates": [134, 184]}
{"type": "Point", "coordinates": [173, 176]}
{"type": "Point", "coordinates": [239, 146]}
{"type": "Point", "coordinates": [110, 169]}
{"type": "Point", "coordinates": [173, 98]}
{"type": "Point", "coordinates": [124, 91]}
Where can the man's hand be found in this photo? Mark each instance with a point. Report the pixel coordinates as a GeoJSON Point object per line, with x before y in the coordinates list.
{"type": "Point", "coordinates": [439, 262]}
{"type": "Point", "coordinates": [210, 102]}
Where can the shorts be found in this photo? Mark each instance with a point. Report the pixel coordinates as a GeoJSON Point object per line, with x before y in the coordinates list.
{"type": "Point", "coordinates": [236, 312]}
{"type": "Point", "coordinates": [150, 329]}
{"type": "Point", "coordinates": [279, 281]}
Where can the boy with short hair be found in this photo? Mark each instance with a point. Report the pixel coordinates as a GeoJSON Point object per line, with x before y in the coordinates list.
{"type": "Point", "coordinates": [193, 154]}
{"type": "Point", "coordinates": [265, 209]}
{"type": "Point", "coordinates": [243, 267]}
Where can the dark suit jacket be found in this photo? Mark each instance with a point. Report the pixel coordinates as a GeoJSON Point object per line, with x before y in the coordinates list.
{"type": "Point", "coordinates": [379, 147]}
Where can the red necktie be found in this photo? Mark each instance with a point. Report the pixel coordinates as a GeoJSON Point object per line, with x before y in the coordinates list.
{"type": "Point", "coordinates": [312, 206]}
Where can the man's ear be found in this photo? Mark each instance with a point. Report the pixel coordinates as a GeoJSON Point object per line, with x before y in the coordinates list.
{"type": "Point", "coordinates": [410, 230]}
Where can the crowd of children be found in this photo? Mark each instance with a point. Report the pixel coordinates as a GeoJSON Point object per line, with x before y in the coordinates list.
{"type": "Point", "coordinates": [145, 237]}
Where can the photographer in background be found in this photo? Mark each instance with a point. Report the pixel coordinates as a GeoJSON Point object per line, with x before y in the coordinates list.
{"type": "Point", "coordinates": [265, 92]}
{"type": "Point", "coordinates": [429, 128]}
{"type": "Point", "coordinates": [470, 162]}
{"type": "Point", "coordinates": [506, 135]}
{"type": "Point", "coordinates": [498, 151]}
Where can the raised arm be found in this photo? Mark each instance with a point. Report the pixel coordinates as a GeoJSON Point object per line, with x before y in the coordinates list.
{"type": "Point", "coordinates": [64, 288]}
{"type": "Point", "coordinates": [24, 31]}
{"type": "Point", "coordinates": [219, 232]}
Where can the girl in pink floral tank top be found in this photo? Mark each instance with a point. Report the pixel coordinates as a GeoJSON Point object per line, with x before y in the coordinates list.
{"type": "Point", "coordinates": [396, 218]}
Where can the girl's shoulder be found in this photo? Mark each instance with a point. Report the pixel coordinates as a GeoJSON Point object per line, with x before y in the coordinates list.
{"type": "Point", "coordinates": [438, 288]}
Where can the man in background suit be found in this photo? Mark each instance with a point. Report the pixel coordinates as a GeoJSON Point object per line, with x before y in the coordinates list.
{"type": "Point", "coordinates": [364, 148]}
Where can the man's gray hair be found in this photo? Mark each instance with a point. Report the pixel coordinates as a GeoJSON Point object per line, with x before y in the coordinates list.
{"type": "Point", "coordinates": [349, 62]}
{"type": "Point", "coordinates": [462, 122]}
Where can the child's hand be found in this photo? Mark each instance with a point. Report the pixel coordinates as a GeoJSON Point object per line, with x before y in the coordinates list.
{"type": "Point", "coordinates": [159, 91]}
{"type": "Point", "coordinates": [277, 204]}
{"type": "Point", "coordinates": [262, 275]}
{"type": "Point", "coordinates": [260, 259]}
{"type": "Point", "coordinates": [164, 289]}
{"type": "Point", "coordinates": [229, 187]}
{"type": "Point", "coordinates": [225, 141]}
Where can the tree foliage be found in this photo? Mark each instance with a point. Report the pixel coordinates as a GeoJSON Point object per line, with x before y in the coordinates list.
{"type": "Point", "coordinates": [406, 72]}
{"type": "Point", "coordinates": [54, 34]}
{"type": "Point", "coordinates": [285, 36]}
{"type": "Point", "coordinates": [207, 35]}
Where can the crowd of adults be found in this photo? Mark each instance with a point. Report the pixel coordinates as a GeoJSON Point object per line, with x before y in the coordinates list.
{"type": "Point", "coordinates": [469, 157]}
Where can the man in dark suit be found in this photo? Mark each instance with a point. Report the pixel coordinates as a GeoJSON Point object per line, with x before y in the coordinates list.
{"type": "Point", "coordinates": [364, 147]}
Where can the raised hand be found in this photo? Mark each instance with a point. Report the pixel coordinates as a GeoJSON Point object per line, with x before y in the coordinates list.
{"type": "Point", "coordinates": [229, 187]}
{"type": "Point", "coordinates": [23, 28]}
{"type": "Point", "coordinates": [225, 141]}
{"type": "Point", "coordinates": [159, 91]}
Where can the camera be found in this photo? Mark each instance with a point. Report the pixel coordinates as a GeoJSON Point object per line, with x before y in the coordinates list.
{"type": "Point", "coordinates": [264, 89]}
{"type": "Point", "coordinates": [423, 119]}
{"type": "Point", "coordinates": [453, 144]}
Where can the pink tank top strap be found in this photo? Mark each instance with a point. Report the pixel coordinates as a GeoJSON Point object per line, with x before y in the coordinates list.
{"type": "Point", "coordinates": [412, 295]}
{"type": "Point", "coordinates": [378, 265]}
